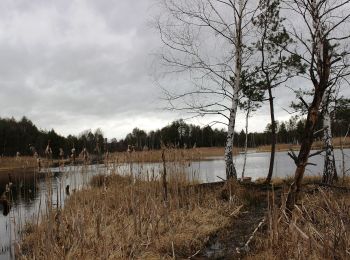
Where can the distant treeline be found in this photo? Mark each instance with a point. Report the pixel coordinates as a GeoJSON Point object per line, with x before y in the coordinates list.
{"type": "Point", "coordinates": [19, 136]}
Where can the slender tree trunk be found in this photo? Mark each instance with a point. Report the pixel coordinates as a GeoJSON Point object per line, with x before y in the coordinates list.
{"type": "Point", "coordinates": [246, 142]}
{"type": "Point", "coordinates": [273, 137]}
{"type": "Point", "coordinates": [306, 143]}
{"type": "Point", "coordinates": [329, 170]}
{"type": "Point", "coordinates": [272, 112]}
{"type": "Point", "coordinates": [230, 167]}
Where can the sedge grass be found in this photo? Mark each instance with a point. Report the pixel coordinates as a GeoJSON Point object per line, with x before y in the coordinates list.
{"type": "Point", "coordinates": [319, 228]}
{"type": "Point", "coordinates": [121, 217]}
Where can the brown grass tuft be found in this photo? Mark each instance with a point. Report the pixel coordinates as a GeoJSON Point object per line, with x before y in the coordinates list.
{"type": "Point", "coordinates": [128, 218]}
{"type": "Point", "coordinates": [319, 229]}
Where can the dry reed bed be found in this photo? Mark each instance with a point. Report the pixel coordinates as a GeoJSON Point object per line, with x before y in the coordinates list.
{"type": "Point", "coordinates": [319, 228]}
{"type": "Point", "coordinates": [193, 154]}
{"type": "Point", "coordinates": [317, 145]}
{"type": "Point", "coordinates": [7, 163]}
{"type": "Point", "coordinates": [120, 218]}
{"type": "Point", "coordinates": [13, 164]}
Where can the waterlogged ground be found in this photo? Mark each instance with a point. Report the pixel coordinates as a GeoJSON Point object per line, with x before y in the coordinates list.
{"type": "Point", "coordinates": [31, 194]}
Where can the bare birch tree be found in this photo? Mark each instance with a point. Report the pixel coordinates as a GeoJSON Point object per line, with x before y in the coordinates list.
{"type": "Point", "coordinates": [204, 38]}
{"type": "Point", "coordinates": [324, 50]}
{"type": "Point", "coordinates": [329, 169]}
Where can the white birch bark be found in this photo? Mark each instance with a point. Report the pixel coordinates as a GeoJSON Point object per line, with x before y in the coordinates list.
{"type": "Point", "coordinates": [329, 163]}
{"type": "Point", "coordinates": [329, 170]}
{"type": "Point", "coordinates": [230, 167]}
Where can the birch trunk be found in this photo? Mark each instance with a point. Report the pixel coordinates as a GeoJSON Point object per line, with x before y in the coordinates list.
{"type": "Point", "coordinates": [230, 167]}
{"type": "Point", "coordinates": [329, 170]}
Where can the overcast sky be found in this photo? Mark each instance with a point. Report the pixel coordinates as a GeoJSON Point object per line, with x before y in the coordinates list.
{"type": "Point", "coordinates": [75, 65]}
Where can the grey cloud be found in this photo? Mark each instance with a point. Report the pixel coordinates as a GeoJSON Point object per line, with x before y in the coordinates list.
{"type": "Point", "coordinates": [77, 64]}
{"type": "Point", "coordinates": [74, 65]}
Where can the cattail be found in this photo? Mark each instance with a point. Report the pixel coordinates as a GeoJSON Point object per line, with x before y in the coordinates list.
{"type": "Point", "coordinates": [67, 190]}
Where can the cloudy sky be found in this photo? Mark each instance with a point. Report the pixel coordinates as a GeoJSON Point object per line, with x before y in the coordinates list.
{"type": "Point", "coordinates": [73, 65]}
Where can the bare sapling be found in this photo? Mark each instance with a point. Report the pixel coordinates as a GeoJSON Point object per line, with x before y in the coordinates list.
{"type": "Point", "coordinates": [190, 31]}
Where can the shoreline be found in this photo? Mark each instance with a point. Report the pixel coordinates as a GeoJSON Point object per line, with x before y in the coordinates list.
{"type": "Point", "coordinates": [213, 226]}
{"type": "Point", "coordinates": [111, 215]}
{"type": "Point", "coordinates": [29, 164]}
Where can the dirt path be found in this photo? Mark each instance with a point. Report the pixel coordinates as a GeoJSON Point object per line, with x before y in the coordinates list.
{"type": "Point", "coordinates": [224, 244]}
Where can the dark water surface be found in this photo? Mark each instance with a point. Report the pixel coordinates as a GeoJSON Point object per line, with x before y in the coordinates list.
{"type": "Point", "coordinates": [31, 194]}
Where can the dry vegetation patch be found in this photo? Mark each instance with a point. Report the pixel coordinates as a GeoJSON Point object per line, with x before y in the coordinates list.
{"type": "Point", "coordinates": [122, 218]}
{"type": "Point", "coordinates": [8, 163]}
{"type": "Point", "coordinates": [319, 228]}
{"type": "Point", "coordinates": [173, 155]}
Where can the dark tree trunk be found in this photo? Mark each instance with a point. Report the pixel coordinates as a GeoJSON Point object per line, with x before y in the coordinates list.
{"type": "Point", "coordinates": [273, 138]}
{"type": "Point", "coordinates": [321, 64]}
{"type": "Point", "coordinates": [306, 143]}
{"type": "Point", "coordinates": [164, 182]}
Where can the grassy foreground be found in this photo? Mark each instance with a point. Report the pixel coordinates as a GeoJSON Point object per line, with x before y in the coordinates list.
{"type": "Point", "coordinates": [119, 219]}
{"type": "Point", "coordinates": [319, 228]}
{"type": "Point", "coordinates": [125, 217]}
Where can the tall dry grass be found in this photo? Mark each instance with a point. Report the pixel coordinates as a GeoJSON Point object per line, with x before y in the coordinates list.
{"type": "Point", "coordinates": [13, 164]}
{"type": "Point", "coordinates": [123, 217]}
{"type": "Point", "coordinates": [279, 147]}
{"type": "Point", "coordinates": [319, 228]}
{"type": "Point", "coordinates": [193, 154]}
{"type": "Point", "coordinates": [8, 163]}
{"type": "Point", "coordinates": [317, 145]}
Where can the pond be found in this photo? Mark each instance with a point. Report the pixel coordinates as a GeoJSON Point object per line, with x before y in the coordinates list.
{"type": "Point", "coordinates": [31, 194]}
{"type": "Point", "coordinates": [258, 164]}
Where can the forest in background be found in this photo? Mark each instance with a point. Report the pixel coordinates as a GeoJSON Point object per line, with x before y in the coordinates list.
{"type": "Point", "coordinates": [20, 135]}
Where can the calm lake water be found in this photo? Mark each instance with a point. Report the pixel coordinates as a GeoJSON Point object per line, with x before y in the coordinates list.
{"type": "Point", "coordinates": [30, 195]}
